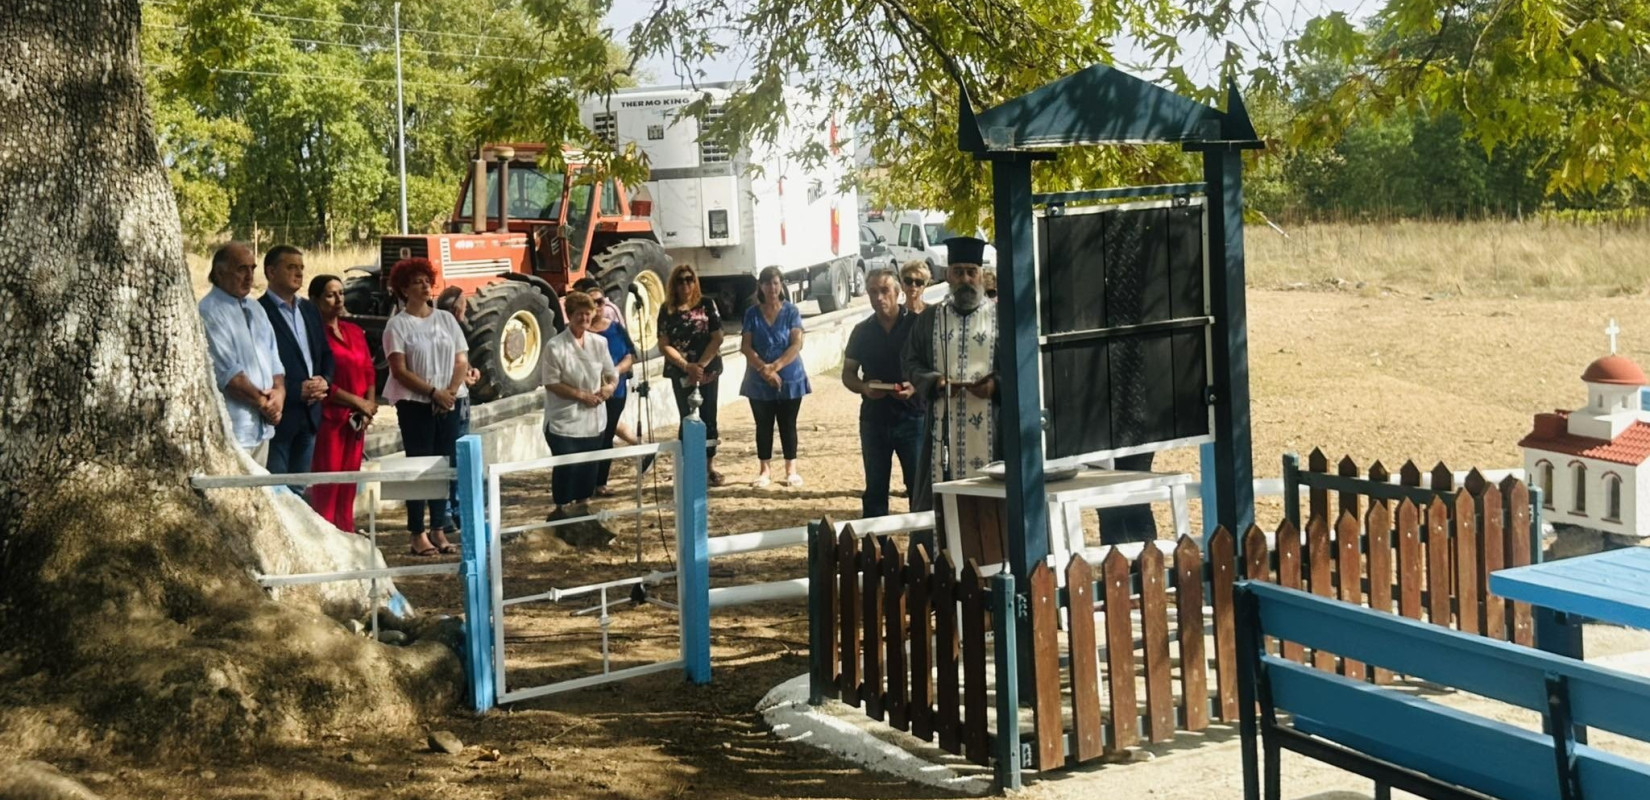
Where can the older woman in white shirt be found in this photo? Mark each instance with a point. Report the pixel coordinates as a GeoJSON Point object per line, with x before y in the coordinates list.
{"type": "Point", "coordinates": [578, 378]}
{"type": "Point", "coordinates": [428, 359]}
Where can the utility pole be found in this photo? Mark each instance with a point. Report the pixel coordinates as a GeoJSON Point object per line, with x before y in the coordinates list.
{"type": "Point", "coordinates": [400, 121]}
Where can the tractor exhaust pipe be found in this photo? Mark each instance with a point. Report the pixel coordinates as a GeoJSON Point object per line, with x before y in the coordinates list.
{"type": "Point", "coordinates": [504, 154]}
{"type": "Point", "coordinates": [478, 196]}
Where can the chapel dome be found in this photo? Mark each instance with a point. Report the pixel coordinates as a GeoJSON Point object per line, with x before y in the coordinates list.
{"type": "Point", "coordinates": [1613, 369]}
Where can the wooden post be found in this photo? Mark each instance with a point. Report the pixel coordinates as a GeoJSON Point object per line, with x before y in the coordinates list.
{"type": "Point", "coordinates": [1125, 722]}
{"type": "Point", "coordinates": [1194, 665]}
{"type": "Point", "coordinates": [1085, 669]}
{"type": "Point", "coordinates": [822, 644]}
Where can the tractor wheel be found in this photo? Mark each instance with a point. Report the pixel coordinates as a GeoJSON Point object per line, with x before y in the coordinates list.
{"type": "Point", "coordinates": [633, 274]}
{"type": "Point", "coordinates": [364, 297]}
{"type": "Point", "coordinates": [509, 323]}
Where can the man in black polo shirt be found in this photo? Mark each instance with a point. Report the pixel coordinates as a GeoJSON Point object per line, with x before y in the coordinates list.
{"type": "Point", "coordinates": [890, 419]}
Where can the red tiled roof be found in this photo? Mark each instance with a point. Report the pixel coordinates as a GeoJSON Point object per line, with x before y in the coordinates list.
{"type": "Point", "coordinates": [1632, 447]}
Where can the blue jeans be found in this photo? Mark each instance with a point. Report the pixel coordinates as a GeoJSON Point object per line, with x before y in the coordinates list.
{"type": "Point", "coordinates": [880, 442]}
{"type": "Point", "coordinates": [291, 452]}
{"type": "Point", "coordinates": [427, 434]}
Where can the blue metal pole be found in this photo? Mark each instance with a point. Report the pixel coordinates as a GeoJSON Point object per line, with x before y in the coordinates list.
{"type": "Point", "coordinates": [1021, 416]}
{"type": "Point", "coordinates": [1209, 490]}
{"type": "Point", "coordinates": [1233, 455]}
{"type": "Point", "coordinates": [478, 595]}
{"type": "Point", "coordinates": [692, 560]}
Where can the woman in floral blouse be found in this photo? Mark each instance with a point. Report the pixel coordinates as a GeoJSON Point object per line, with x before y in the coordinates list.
{"type": "Point", "coordinates": [690, 338]}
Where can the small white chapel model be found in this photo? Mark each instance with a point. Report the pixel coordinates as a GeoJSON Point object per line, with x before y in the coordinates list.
{"type": "Point", "coordinates": [1590, 462]}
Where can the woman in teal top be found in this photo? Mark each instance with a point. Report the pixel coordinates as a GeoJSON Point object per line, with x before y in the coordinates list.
{"type": "Point", "coordinates": [774, 378]}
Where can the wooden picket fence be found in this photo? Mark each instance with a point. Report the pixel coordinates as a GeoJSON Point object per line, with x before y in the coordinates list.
{"type": "Point", "coordinates": [908, 640]}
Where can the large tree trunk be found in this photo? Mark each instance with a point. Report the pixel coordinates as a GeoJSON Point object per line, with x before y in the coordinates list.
{"type": "Point", "coordinates": [126, 605]}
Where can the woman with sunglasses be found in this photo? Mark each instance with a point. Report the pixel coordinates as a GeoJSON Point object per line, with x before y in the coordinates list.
{"type": "Point", "coordinates": [913, 278]}
{"type": "Point", "coordinates": [690, 338]}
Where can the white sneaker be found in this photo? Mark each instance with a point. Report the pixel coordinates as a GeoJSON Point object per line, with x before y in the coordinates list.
{"type": "Point", "coordinates": [761, 482]}
{"type": "Point", "coordinates": [793, 479]}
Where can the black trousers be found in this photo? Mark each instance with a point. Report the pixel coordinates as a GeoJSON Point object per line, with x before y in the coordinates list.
{"type": "Point", "coordinates": [707, 409]}
{"type": "Point", "coordinates": [1129, 523]}
{"type": "Point", "coordinates": [425, 433]}
{"type": "Point", "coordinates": [572, 483]}
{"type": "Point", "coordinates": [615, 407]}
{"type": "Point", "coordinates": [767, 412]}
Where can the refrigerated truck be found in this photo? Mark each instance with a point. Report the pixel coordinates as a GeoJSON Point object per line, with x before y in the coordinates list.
{"type": "Point", "coordinates": [731, 212]}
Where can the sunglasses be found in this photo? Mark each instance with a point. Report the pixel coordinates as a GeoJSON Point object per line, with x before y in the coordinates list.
{"type": "Point", "coordinates": [913, 281]}
{"type": "Point", "coordinates": [684, 279]}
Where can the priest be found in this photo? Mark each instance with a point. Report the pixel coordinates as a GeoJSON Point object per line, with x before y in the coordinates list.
{"type": "Point", "coordinates": [951, 360]}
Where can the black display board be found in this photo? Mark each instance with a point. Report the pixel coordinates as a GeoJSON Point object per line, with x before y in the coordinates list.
{"type": "Point", "coordinates": [1125, 358]}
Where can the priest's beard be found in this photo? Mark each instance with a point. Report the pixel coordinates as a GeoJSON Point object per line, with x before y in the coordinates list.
{"type": "Point", "coordinates": [966, 298]}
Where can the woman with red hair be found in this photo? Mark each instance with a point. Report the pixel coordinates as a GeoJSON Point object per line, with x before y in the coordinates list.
{"type": "Point", "coordinates": [428, 363]}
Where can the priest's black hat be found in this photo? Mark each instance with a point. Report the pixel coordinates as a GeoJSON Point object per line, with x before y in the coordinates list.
{"type": "Point", "coordinates": [965, 250]}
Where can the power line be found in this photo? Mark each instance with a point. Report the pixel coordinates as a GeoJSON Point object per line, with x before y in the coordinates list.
{"type": "Point", "coordinates": [308, 76]}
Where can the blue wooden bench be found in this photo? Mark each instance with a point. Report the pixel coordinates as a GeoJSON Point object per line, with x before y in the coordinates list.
{"type": "Point", "coordinates": [1401, 741]}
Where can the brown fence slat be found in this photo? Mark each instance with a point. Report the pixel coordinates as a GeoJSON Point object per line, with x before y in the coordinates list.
{"type": "Point", "coordinates": [1194, 665]}
{"type": "Point", "coordinates": [1085, 667]}
{"type": "Point", "coordinates": [1443, 480]}
{"type": "Point", "coordinates": [1045, 668]}
{"type": "Point", "coordinates": [1347, 533]}
{"type": "Point", "coordinates": [894, 636]}
{"type": "Point", "coordinates": [1154, 623]}
{"type": "Point", "coordinates": [918, 578]}
{"type": "Point", "coordinates": [976, 742]}
{"type": "Point", "coordinates": [1222, 572]}
{"type": "Point", "coordinates": [826, 547]}
{"type": "Point", "coordinates": [1466, 564]}
{"type": "Point", "coordinates": [1319, 556]}
{"type": "Point", "coordinates": [1256, 556]}
{"type": "Point", "coordinates": [947, 678]}
{"type": "Point", "coordinates": [1410, 555]}
{"type": "Point", "coordinates": [1438, 567]}
{"type": "Point", "coordinates": [1378, 538]}
{"type": "Point", "coordinates": [1317, 500]}
{"type": "Point", "coordinates": [847, 565]}
{"type": "Point", "coordinates": [1409, 474]}
{"type": "Point", "coordinates": [1289, 574]}
{"type": "Point", "coordinates": [1490, 559]}
{"type": "Point", "coordinates": [871, 606]}
{"type": "Point", "coordinates": [1516, 496]}
{"type": "Point", "coordinates": [1125, 723]}
{"type": "Point", "coordinates": [1349, 499]}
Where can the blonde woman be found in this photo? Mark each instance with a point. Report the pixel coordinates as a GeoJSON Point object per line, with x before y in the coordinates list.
{"type": "Point", "coordinates": [914, 277]}
{"type": "Point", "coordinates": [690, 338]}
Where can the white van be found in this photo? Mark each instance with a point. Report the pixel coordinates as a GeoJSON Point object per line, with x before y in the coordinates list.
{"type": "Point", "coordinates": [922, 234]}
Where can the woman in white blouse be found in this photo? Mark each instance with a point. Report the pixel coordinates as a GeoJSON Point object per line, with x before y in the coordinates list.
{"type": "Point", "coordinates": [578, 378]}
{"type": "Point", "coordinates": [427, 350]}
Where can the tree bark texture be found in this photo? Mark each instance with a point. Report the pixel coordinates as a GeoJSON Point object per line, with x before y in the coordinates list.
{"type": "Point", "coordinates": [125, 589]}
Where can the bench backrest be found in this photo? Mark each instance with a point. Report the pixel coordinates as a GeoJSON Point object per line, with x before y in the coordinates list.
{"type": "Point", "coordinates": [1459, 747]}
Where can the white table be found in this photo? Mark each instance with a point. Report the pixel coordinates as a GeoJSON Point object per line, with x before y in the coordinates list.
{"type": "Point", "coordinates": [1091, 488]}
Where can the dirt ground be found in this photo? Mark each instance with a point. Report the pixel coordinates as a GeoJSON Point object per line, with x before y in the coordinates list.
{"type": "Point", "coordinates": [1388, 376]}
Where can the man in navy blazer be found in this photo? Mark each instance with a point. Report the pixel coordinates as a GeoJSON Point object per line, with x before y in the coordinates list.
{"type": "Point", "coordinates": [305, 355]}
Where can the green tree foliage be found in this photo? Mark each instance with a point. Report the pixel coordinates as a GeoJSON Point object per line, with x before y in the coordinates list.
{"type": "Point", "coordinates": [280, 115]}
{"type": "Point", "coordinates": [1572, 78]}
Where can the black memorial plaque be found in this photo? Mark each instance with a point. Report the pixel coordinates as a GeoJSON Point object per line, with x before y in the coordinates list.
{"type": "Point", "coordinates": [1123, 310]}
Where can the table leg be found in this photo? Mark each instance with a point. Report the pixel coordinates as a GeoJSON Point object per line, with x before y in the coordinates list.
{"type": "Point", "coordinates": [1560, 634]}
{"type": "Point", "coordinates": [1177, 506]}
{"type": "Point", "coordinates": [953, 532]}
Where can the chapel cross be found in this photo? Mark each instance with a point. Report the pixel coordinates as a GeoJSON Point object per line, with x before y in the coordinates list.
{"type": "Point", "coordinates": [1611, 330]}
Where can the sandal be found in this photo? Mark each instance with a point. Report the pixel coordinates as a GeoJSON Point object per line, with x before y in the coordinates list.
{"type": "Point", "coordinates": [715, 478]}
{"type": "Point", "coordinates": [793, 479]}
{"type": "Point", "coordinates": [605, 491]}
{"type": "Point", "coordinates": [432, 550]}
{"type": "Point", "coordinates": [761, 482]}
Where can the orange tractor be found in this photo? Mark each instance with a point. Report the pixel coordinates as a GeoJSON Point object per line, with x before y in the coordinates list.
{"type": "Point", "coordinates": [521, 234]}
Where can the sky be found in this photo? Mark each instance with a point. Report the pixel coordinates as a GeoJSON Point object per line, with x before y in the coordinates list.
{"type": "Point", "coordinates": [1281, 20]}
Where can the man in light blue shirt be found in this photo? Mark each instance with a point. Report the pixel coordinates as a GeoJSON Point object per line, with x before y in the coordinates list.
{"type": "Point", "coordinates": [242, 345]}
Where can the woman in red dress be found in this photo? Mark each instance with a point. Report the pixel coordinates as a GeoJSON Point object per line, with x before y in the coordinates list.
{"type": "Point", "coordinates": [349, 409]}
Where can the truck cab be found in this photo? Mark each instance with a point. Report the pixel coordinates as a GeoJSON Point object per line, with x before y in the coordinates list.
{"type": "Point", "coordinates": [922, 235]}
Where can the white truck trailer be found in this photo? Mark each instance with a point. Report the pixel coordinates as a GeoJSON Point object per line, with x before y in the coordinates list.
{"type": "Point", "coordinates": [732, 213]}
